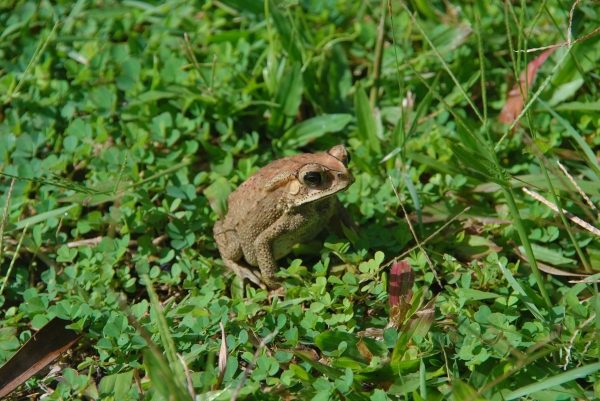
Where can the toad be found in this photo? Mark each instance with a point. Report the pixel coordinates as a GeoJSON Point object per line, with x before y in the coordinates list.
{"type": "Point", "coordinates": [287, 202]}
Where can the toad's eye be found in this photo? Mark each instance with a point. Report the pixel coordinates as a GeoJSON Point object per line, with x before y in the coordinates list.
{"type": "Point", "coordinates": [313, 178]}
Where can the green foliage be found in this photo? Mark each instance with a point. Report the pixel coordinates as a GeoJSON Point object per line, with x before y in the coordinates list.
{"type": "Point", "coordinates": [124, 126]}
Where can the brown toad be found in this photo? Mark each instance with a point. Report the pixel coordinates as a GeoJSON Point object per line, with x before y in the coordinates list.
{"type": "Point", "coordinates": [284, 203]}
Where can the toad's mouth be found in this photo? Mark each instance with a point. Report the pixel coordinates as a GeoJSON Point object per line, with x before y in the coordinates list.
{"type": "Point", "coordinates": [323, 193]}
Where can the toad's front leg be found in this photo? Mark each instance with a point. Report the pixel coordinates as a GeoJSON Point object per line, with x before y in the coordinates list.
{"type": "Point", "coordinates": [277, 241]}
{"type": "Point", "coordinates": [263, 246]}
{"type": "Point", "coordinates": [244, 272]}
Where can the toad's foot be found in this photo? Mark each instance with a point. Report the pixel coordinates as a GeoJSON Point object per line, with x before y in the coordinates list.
{"type": "Point", "coordinates": [244, 272]}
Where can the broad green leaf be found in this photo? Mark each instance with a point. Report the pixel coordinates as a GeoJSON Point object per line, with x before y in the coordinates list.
{"type": "Point", "coordinates": [338, 80]}
{"type": "Point", "coordinates": [300, 372]}
{"type": "Point", "coordinates": [252, 6]}
{"type": "Point", "coordinates": [462, 391]}
{"type": "Point", "coordinates": [289, 38]}
{"type": "Point", "coordinates": [416, 302]}
{"type": "Point", "coordinates": [123, 384]}
{"type": "Point", "coordinates": [116, 385]}
{"type": "Point", "coordinates": [446, 38]}
{"type": "Point", "coordinates": [480, 164]}
{"type": "Point", "coordinates": [524, 297]}
{"type": "Point", "coordinates": [412, 190]}
{"type": "Point", "coordinates": [475, 247]}
{"type": "Point", "coordinates": [379, 395]}
{"type": "Point", "coordinates": [367, 127]}
{"type": "Point", "coordinates": [328, 371]}
{"type": "Point", "coordinates": [131, 68]}
{"type": "Point", "coordinates": [548, 255]}
{"type": "Point", "coordinates": [311, 129]}
{"type": "Point", "coordinates": [582, 61]}
{"type": "Point", "coordinates": [542, 146]}
{"type": "Point", "coordinates": [237, 288]}
{"type": "Point", "coordinates": [289, 96]}
{"type": "Point", "coordinates": [102, 98]}
{"type": "Point", "coordinates": [427, 9]}
{"type": "Point", "coordinates": [330, 340]}
{"type": "Point", "coordinates": [578, 106]}
{"type": "Point", "coordinates": [565, 91]}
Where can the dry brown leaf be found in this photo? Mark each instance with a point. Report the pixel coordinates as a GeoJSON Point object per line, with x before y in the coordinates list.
{"type": "Point", "coordinates": [364, 351]}
{"type": "Point", "coordinates": [222, 358]}
{"type": "Point", "coordinates": [514, 102]}
{"type": "Point", "coordinates": [42, 348]}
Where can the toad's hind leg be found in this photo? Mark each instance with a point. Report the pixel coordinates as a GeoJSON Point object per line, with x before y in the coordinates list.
{"type": "Point", "coordinates": [231, 252]}
{"type": "Point", "coordinates": [227, 242]}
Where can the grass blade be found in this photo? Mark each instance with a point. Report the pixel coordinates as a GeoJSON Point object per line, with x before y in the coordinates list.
{"type": "Point", "coordinates": [557, 380]}
{"type": "Point", "coordinates": [38, 218]}
{"type": "Point", "coordinates": [288, 97]}
{"type": "Point", "coordinates": [514, 211]}
{"type": "Point", "coordinates": [517, 287]}
{"type": "Point", "coordinates": [441, 59]}
{"type": "Point", "coordinates": [590, 157]}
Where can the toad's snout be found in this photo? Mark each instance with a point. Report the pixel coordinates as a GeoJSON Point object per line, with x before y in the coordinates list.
{"type": "Point", "coordinates": [348, 177]}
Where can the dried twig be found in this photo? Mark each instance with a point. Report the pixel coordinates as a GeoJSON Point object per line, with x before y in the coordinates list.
{"type": "Point", "coordinates": [89, 241]}
{"type": "Point", "coordinates": [570, 42]}
{"type": "Point", "coordinates": [188, 50]}
{"type": "Point", "coordinates": [415, 234]}
{"type": "Point", "coordinates": [188, 377]}
{"type": "Point", "coordinates": [583, 194]}
{"type": "Point", "coordinates": [595, 31]}
{"type": "Point", "coordinates": [138, 383]}
{"type": "Point", "coordinates": [572, 340]}
{"type": "Point", "coordinates": [571, 217]}
{"type": "Point", "coordinates": [584, 281]}
{"type": "Point", "coordinates": [97, 240]}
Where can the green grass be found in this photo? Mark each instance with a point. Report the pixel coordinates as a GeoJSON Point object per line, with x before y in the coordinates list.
{"type": "Point", "coordinates": [124, 126]}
